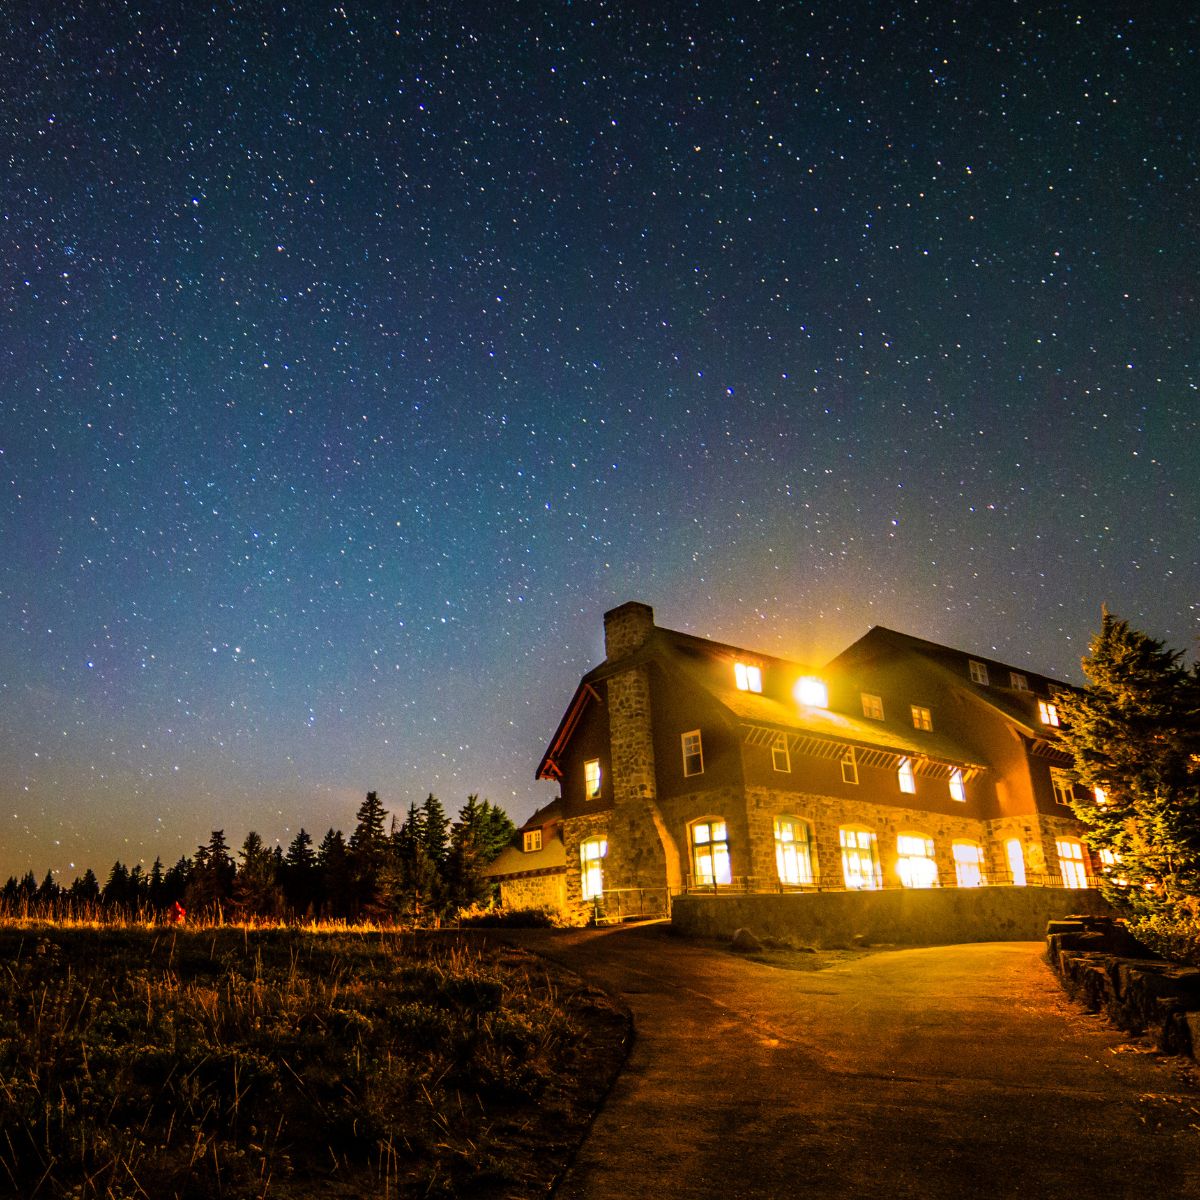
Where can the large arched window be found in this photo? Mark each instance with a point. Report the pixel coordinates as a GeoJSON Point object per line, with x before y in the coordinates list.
{"type": "Point", "coordinates": [591, 866]}
{"type": "Point", "coordinates": [793, 850]}
{"type": "Point", "coordinates": [1071, 863]}
{"type": "Point", "coordinates": [914, 862]}
{"type": "Point", "coordinates": [710, 853]}
{"type": "Point", "coordinates": [968, 864]}
{"type": "Point", "coordinates": [1014, 854]}
{"type": "Point", "coordinates": [860, 859]}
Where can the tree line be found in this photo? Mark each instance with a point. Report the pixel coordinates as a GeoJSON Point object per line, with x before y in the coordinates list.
{"type": "Point", "coordinates": [422, 867]}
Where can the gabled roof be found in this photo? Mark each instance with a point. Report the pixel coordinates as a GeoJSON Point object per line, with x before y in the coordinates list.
{"type": "Point", "coordinates": [706, 665]}
{"type": "Point", "coordinates": [951, 667]}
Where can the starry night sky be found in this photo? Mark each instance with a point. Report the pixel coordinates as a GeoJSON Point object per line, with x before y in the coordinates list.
{"type": "Point", "coordinates": [352, 364]}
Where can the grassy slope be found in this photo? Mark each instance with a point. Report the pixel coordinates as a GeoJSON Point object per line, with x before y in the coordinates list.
{"type": "Point", "coordinates": [284, 1063]}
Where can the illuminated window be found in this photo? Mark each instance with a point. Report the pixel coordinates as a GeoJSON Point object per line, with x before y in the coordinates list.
{"type": "Point", "coordinates": [533, 840]}
{"type": "Point", "coordinates": [914, 863]}
{"type": "Point", "coordinates": [793, 850]}
{"type": "Point", "coordinates": [1016, 861]}
{"type": "Point", "coordinates": [958, 789]}
{"type": "Point", "coordinates": [1018, 681]}
{"type": "Point", "coordinates": [591, 779]}
{"type": "Point", "coordinates": [850, 766]}
{"type": "Point", "coordinates": [710, 854]}
{"type": "Point", "coordinates": [968, 864]}
{"type": "Point", "coordinates": [872, 706]}
{"type": "Point", "coordinates": [781, 760]}
{"type": "Point", "coordinates": [922, 718]}
{"type": "Point", "coordinates": [1070, 863]}
{"type": "Point", "coordinates": [860, 862]}
{"type": "Point", "coordinates": [908, 778]}
{"type": "Point", "coordinates": [979, 672]}
{"type": "Point", "coordinates": [1064, 791]}
{"type": "Point", "coordinates": [1100, 795]}
{"type": "Point", "coordinates": [1109, 858]}
{"type": "Point", "coordinates": [693, 753]}
{"type": "Point", "coordinates": [1047, 713]}
{"type": "Point", "coordinates": [748, 678]}
{"type": "Point", "coordinates": [811, 691]}
{"type": "Point", "coordinates": [591, 861]}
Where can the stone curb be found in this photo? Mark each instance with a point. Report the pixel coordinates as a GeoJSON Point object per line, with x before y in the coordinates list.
{"type": "Point", "coordinates": [1100, 964]}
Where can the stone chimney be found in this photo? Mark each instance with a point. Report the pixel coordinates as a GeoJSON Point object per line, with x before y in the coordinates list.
{"type": "Point", "coordinates": [626, 629]}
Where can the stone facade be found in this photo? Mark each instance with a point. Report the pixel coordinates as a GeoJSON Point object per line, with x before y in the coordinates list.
{"type": "Point", "coordinates": [575, 831]}
{"type": "Point", "coordinates": [547, 891]}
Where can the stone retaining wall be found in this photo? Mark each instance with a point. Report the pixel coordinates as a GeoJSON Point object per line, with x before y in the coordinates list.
{"type": "Point", "coordinates": [911, 917]}
{"type": "Point", "coordinates": [1109, 972]}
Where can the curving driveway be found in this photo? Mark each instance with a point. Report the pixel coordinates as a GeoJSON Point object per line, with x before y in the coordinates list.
{"type": "Point", "coordinates": [950, 1071]}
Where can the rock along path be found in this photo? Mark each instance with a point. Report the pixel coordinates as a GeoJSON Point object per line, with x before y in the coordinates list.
{"type": "Point", "coordinates": [950, 1071]}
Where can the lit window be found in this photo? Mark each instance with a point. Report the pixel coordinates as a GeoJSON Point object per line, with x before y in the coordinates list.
{"type": "Point", "coordinates": [1064, 791]}
{"type": "Point", "coordinates": [811, 691]}
{"type": "Point", "coordinates": [872, 706]}
{"type": "Point", "coordinates": [748, 678]}
{"type": "Point", "coordinates": [1109, 858]}
{"type": "Point", "coordinates": [591, 779]}
{"type": "Point", "coordinates": [979, 672]}
{"type": "Point", "coordinates": [1016, 861]}
{"type": "Point", "coordinates": [968, 864]}
{"type": "Point", "coordinates": [958, 789]}
{"type": "Point", "coordinates": [693, 753]}
{"type": "Point", "coordinates": [1070, 863]}
{"type": "Point", "coordinates": [533, 840]}
{"type": "Point", "coordinates": [1047, 713]}
{"type": "Point", "coordinates": [781, 760]}
{"type": "Point", "coordinates": [860, 862]}
{"type": "Point", "coordinates": [922, 718]}
{"type": "Point", "coordinates": [850, 766]}
{"type": "Point", "coordinates": [915, 864]}
{"type": "Point", "coordinates": [591, 862]}
{"type": "Point", "coordinates": [710, 853]}
{"type": "Point", "coordinates": [793, 851]}
{"type": "Point", "coordinates": [1018, 681]}
{"type": "Point", "coordinates": [908, 778]}
{"type": "Point", "coordinates": [1100, 795]}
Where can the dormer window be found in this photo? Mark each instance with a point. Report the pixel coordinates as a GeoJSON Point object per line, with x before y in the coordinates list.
{"type": "Point", "coordinates": [979, 672]}
{"type": "Point", "coordinates": [872, 706]}
{"type": "Point", "coordinates": [532, 840]}
{"type": "Point", "coordinates": [811, 691]}
{"type": "Point", "coordinates": [922, 718]}
{"type": "Point", "coordinates": [1047, 713]}
{"type": "Point", "coordinates": [1018, 681]}
{"type": "Point", "coordinates": [748, 678]}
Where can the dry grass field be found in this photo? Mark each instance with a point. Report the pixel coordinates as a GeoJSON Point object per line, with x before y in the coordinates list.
{"type": "Point", "coordinates": [193, 1063]}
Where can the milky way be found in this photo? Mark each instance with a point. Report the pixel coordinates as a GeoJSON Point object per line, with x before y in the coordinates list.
{"type": "Point", "coordinates": [351, 365]}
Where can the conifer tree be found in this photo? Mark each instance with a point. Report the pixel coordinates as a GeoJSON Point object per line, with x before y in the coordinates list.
{"type": "Point", "coordinates": [368, 854]}
{"type": "Point", "coordinates": [256, 890]}
{"type": "Point", "coordinates": [300, 874]}
{"type": "Point", "coordinates": [1134, 736]}
{"type": "Point", "coordinates": [333, 865]}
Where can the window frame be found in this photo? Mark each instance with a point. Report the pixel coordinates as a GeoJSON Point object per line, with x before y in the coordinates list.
{"type": "Point", "coordinates": [853, 861]}
{"type": "Point", "coordinates": [716, 848]}
{"type": "Point", "coordinates": [778, 747]}
{"type": "Point", "coordinates": [799, 850]}
{"type": "Point", "coordinates": [1072, 867]}
{"type": "Point", "coordinates": [1048, 714]}
{"type": "Point", "coordinates": [908, 860]}
{"type": "Point", "coordinates": [922, 718]}
{"type": "Point", "coordinates": [965, 866]}
{"type": "Point", "coordinates": [747, 677]}
{"type": "Point", "coordinates": [1019, 681]}
{"type": "Point", "coordinates": [957, 785]}
{"type": "Point", "coordinates": [1062, 785]}
{"type": "Point", "coordinates": [906, 776]}
{"type": "Point", "coordinates": [592, 791]}
{"type": "Point", "coordinates": [591, 866]}
{"type": "Point", "coordinates": [872, 706]}
{"type": "Point", "coordinates": [694, 756]}
{"type": "Point", "coordinates": [979, 672]}
{"type": "Point", "coordinates": [850, 766]}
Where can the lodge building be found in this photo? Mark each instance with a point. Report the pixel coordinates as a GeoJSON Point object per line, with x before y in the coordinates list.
{"type": "Point", "coordinates": [686, 764]}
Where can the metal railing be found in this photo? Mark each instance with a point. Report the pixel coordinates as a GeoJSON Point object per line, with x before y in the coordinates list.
{"type": "Point", "coordinates": [762, 885]}
{"type": "Point", "coordinates": [615, 905]}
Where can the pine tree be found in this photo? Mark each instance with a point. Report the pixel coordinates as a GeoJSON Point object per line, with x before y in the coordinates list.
{"type": "Point", "coordinates": [435, 830]}
{"type": "Point", "coordinates": [333, 865]}
{"type": "Point", "coordinates": [477, 837]}
{"type": "Point", "coordinates": [210, 882]}
{"type": "Point", "coordinates": [116, 887]}
{"type": "Point", "coordinates": [419, 893]}
{"type": "Point", "coordinates": [256, 890]}
{"type": "Point", "coordinates": [86, 887]}
{"type": "Point", "coordinates": [300, 874]}
{"type": "Point", "coordinates": [1134, 736]}
{"type": "Point", "coordinates": [368, 853]}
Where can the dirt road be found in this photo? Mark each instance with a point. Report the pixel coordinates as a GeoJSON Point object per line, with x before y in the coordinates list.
{"type": "Point", "coordinates": [954, 1071]}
